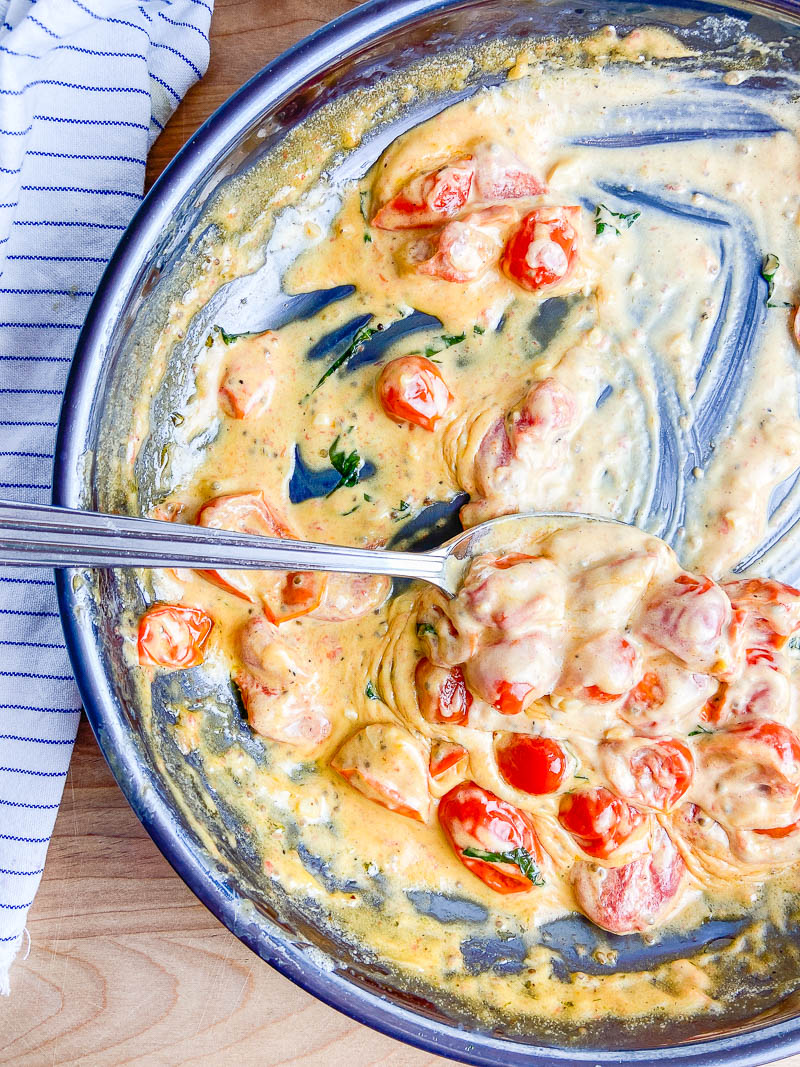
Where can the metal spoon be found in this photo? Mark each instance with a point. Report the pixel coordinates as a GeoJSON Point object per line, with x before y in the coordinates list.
{"type": "Point", "coordinates": [42, 536]}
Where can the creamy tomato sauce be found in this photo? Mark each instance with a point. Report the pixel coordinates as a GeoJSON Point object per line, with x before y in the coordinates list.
{"type": "Point", "coordinates": [541, 315]}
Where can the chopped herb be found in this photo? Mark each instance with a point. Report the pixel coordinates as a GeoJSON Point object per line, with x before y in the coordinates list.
{"type": "Point", "coordinates": [229, 338]}
{"type": "Point", "coordinates": [367, 239]}
{"type": "Point", "coordinates": [449, 340]}
{"type": "Point", "coordinates": [361, 336]}
{"type": "Point", "coordinates": [176, 418]}
{"type": "Point", "coordinates": [371, 691]}
{"type": "Point", "coordinates": [794, 643]}
{"type": "Point", "coordinates": [699, 730]}
{"type": "Point", "coordinates": [518, 856]}
{"type": "Point", "coordinates": [209, 341]}
{"type": "Point", "coordinates": [604, 219]}
{"type": "Point", "coordinates": [364, 200]}
{"type": "Point", "coordinates": [350, 512]}
{"type": "Point", "coordinates": [770, 265]}
{"type": "Point", "coordinates": [398, 512]}
{"type": "Point", "coordinates": [368, 498]}
{"type": "Point", "coordinates": [478, 329]}
{"type": "Point", "coordinates": [346, 465]}
{"type": "Point", "coordinates": [424, 628]}
{"type": "Point", "coordinates": [582, 777]}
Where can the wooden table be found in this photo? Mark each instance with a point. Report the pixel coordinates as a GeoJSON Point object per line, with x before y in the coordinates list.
{"type": "Point", "coordinates": [125, 965]}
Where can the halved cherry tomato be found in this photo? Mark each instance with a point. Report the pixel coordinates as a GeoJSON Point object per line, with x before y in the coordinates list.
{"type": "Point", "coordinates": [771, 608]}
{"type": "Point", "coordinates": [598, 820]}
{"type": "Point", "coordinates": [411, 389]}
{"type": "Point", "coordinates": [644, 697]}
{"type": "Point", "coordinates": [634, 895]}
{"type": "Point", "coordinates": [442, 693]}
{"type": "Point", "coordinates": [474, 818]}
{"type": "Point", "coordinates": [248, 381]}
{"type": "Point", "coordinates": [603, 668]}
{"type": "Point", "coordinates": [444, 756]}
{"type": "Point", "coordinates": [244, 513]}
{"type": "Point", "coordinates": [298, 593]}
{"type": "Point", "coordinates": [386, 764]}
{"type": "Point", "coordinates": [548, 408]}
{"type": "Point", "coordinates": [429, 199]}
{"type": "Point", "coordinates": [171, 635]}
{"type": "Point", "coordinates": [500, 175]}
{"type": "Point", "coordinates": [283, 596]}
{"type": "Point", "coordinates": [535, 765]}
{"type": "Point", "coordinates": [544, 249]}
{"type": "Point", "coordinates": [467, 247]}
{"type": "Point", "coordinates": [653, 772]}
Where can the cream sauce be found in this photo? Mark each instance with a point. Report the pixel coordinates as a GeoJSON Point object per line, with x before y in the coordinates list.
{"type": "Point", "coordinates": [568, 418]}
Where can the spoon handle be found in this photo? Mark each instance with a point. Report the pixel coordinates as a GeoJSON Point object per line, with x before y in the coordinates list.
{"type": "Point", "coordinates": [42, 536]}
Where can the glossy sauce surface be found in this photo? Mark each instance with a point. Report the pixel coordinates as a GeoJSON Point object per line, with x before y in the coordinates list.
{"type": "Point", "coordinates": [588, 726]}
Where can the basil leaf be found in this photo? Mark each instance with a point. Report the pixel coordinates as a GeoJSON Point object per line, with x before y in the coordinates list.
{"type": "Point", "coordinates": [425, 628]}
{"type": "Point", "coordinates": [367, 239]}
{"type": "Point", "coordinates": [699, 730]}
{"type": "Point", "coordinates": [604, 219]}
{"type": "Point", "coordinates": [347, 466]}
{"type": "Point", "coordinates": [371, 691]}
{"type": "Point", "coordinates": [770, 265]}
{"type": "Point", "coordinates": [361, 336]}
{"type": "Point", "coordinates": [520, 857]}
{"type": "Point", "coordinates": [229, 338]}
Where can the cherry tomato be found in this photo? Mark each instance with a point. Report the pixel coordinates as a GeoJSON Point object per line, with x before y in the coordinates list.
{"type": "Point", "coordinates": [535, 765]}
{"type": "Point", "coordinates": [171, 635]}
{"type": "Point", "coordinates": [248, 381]}
{"type": "Point", "coordinates": [500, 175]}
{"type": "Point", "coordinates": [750, 773]}
{"type": "Point", "coordinates": [603, 668]}
{"type": "Point", "coordinates": [474, 818]}
{"type": "Point", "coordinates": [429, 199]}
{"type": "Point", "coordinates": [688, 618]}
{"type": "Point", "coordinates": [245, 513]}
{"type": "Point", "coordinates": [656, 773]}
{"type": "Point", "coordinates": [386, 764]}
{"type": "Point", "coordinates": [544, 249]}
{"type": "Point", "coordinates": [771, 609]}
{"type": "Point", "coordinates": [511, 674]}
{"type": "Point", "coordinates": [297, 593]}
{"type": "Point", "coordinates": [598, 820]}
{"type": "Point", "coordinates": [467, 247]}
{"type": "Point", "coordinates": [444, 756]}
{"type": "Point", "coordinates": [796, 324]}
{"type": "Point", "coordinates": [548, 409]}
{"type": "Point", "coordinates": [411, 389]}
{"type": "Point", "coordinates": [283, 596]}
{"type": "Point", "coordinates": [442, 693]}
{"type": "Point", "coordinates": [633, 896]}
{"type": "Point", "coordinates": [644, 698]}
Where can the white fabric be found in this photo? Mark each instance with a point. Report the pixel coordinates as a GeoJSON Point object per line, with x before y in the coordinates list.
{"type": "Point", "coordinates": [85, 88]}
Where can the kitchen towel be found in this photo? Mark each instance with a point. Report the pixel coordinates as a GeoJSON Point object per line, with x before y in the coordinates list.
{"type": "Point", "coordinates": [85, 88]}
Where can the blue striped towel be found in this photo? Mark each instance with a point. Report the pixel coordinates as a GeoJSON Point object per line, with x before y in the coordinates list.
{"type": "Point", "coordinates": [85, 88]}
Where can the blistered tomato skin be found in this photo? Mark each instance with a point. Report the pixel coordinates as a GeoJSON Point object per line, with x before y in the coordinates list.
{"type": "Point", "coordinates": [634, 896]}
{"type": "Point", "coordinates": [500, 175]}
{"type": "Point", "coordinates": [535, 765]}
{"type": "Point", "coordinates": [442, 693]}
{"type": "Point", "coordinates": [429, 199]}
{"type": "Point", "coordinates": [173, 635]}
{"type": "Point", "coordinates": [411, 389]}
{"type": "Point", "coordinates": [543, 251]}
{"type": "Point", "coordinates": [467, 247]}
{"type": "Point", "coordinates": [474, 818]}
{"type": "Point", "coordinates": [688, 617]}
{"type": "Point", "coordinates": [598, 820]}
{"type": "Point", "coordinates": [654, 772]}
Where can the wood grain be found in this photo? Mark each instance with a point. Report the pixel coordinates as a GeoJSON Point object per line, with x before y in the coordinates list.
{"type": "Point", "coordinates": [126, 967]}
